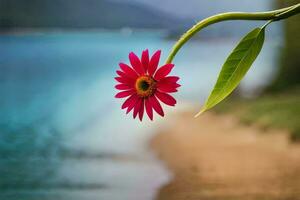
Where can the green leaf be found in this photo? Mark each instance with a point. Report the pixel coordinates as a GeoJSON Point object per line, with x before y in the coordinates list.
{"type": "Point", "coordinates": [235, 67]}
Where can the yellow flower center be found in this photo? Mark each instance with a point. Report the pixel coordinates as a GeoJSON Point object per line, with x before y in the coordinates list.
{"type": "Point", "coordinates": [145, 86]}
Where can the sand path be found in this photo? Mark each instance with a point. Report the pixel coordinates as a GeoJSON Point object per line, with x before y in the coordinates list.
{"type": "Point", "coordinates": [215, 158]}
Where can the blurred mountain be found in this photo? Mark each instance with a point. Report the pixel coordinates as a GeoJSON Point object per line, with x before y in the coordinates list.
{"type": "Point", "coordinates": [174, 15]}
{"type": "Point", "coordinates": [203, 8]}
{"type": "Point", "coordinates": [196, 10]}
{"type": "Point", "coordinates": [80, 14]}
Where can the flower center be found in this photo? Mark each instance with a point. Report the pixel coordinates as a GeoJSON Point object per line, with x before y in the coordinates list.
{"type": "Point", "coordinates": [145, 86]}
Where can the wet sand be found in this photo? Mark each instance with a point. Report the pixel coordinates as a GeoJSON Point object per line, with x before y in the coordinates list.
{"type": "Point", "coordinates": [216, 158]}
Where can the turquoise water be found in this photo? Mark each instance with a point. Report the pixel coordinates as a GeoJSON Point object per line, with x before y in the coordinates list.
{"type": "Point", "coordinates": [63, 135]}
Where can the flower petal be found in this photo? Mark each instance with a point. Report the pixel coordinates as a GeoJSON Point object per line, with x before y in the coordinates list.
{"type": "Point", "coordinates": [136, 108]}
{"type": "Point", "coordinates": [167, 88]}
{"type": "Point", "coordinates": [165, 98]}
{"type": "Point", "coordinates": [124, 93]}
{"type": "Point", "coordinates": [128, 71]}
{"type": "Point", "coordinates": [156, 105]}
{"type": "Point", "coordinates": [131, 100]}
{"type": "Point", "coordinates": [163, 71]}
{"type": "Point", "coordinates": [167, 84]}
{"type": "Point", "coordinates": [154, 62]}
{"type": "Point", "coordinates": [125, 76]}
{"type": "Point", "coordinates": [136, 63]}
{"type": "Point", "coordinates": [130, 108]}
{"type": "Point", "coordinates": [145, 59]}
{"type": "Point", "coordinates": [120, 73]}
{"type": "Point", "coordinates": [149, 109]}
{"type": "Point", "coordinates": [170, 79]}
{"type": "Point", "coordinates": [123, 87]}
{"type": "Point", "coordinates": [141, 113]}
{"type": "Point", "coordinates": [124, 80]}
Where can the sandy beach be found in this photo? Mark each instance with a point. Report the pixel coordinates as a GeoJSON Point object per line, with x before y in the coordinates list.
{"type": "Point", "coordinates": [214, 157]}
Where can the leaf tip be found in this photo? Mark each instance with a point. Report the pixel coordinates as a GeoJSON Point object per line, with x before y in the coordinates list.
{"type": "Point", "coordinates": [200, 112]}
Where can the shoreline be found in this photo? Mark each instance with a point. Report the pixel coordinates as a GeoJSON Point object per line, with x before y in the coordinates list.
{"type": "Point", "coordinates": [215, 157]}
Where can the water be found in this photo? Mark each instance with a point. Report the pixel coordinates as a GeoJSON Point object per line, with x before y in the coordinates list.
{"type": "Point", "coordinates": [63, 135]}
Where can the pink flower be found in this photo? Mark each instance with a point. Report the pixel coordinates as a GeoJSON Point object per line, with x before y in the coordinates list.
{"type": "Point", "coordinates": [145, 85]}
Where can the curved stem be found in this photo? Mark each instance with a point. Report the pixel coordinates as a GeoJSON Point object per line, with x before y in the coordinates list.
{"type": "Point", "coordinates": [271, 15]}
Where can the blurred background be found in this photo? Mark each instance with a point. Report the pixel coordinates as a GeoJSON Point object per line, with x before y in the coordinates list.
{"type": "Point", "coordinates": [62, 133]}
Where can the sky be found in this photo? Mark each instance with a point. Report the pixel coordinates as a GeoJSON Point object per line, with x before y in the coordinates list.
{"type": "Point", "coordinates": [202, 8]}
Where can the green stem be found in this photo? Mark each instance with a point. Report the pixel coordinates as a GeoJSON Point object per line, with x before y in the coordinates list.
{"type": "Point", "coordinates": [271, 15]}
